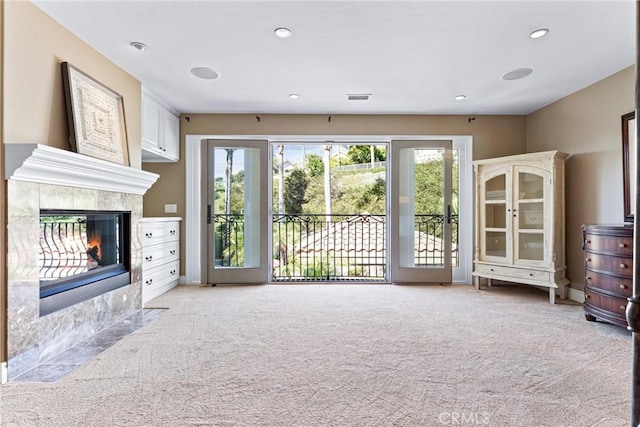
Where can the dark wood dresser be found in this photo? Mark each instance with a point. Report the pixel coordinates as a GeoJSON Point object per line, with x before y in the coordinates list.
{"type": "Point", "coordinates": [608, 254]}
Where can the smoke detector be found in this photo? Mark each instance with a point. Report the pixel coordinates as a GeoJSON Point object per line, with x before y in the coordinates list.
{"type": "Point", "coordinates": [358, 96]}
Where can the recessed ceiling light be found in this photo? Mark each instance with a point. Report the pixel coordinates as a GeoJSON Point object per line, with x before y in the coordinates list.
{"type": "Point", "coordinates": [518, 73]}
{"type": "Point", "coordinates": [539, 33]}
{"type": "Point", "coordinates": [294, 96]}
{"type": "Point", "coordinates": [138, 46]}
{"type": "Point", "coordinates": [282, 32]}
{"type": "Point", "coordinates": [204, 73]}
{"type": "Point", "coordinates": [460, 97]}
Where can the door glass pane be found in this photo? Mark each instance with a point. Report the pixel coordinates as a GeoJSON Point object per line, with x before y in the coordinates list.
{"type": "Point", "coordinates": [236, 207]}
{"type": "Point", "coordinates": [530, 217]}
{"type": "Point", "coordinates": [530, 186]}
{"type": "Point", "coordinates": [531, 246]}
{"type": "Point", "coordinates": [496, 242]}
{"type": "Point", "coordinates": [495, 188]}
{"type": "Point", "coordinates": [421, 207]}
{"type": "Point", "coordinates": [496, 215]}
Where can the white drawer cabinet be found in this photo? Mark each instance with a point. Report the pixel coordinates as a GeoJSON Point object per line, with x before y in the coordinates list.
{"type": "Point", "coordinates": [160, 239]}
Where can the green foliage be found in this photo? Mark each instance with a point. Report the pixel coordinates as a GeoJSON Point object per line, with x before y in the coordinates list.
{"type": "Point", "coordinates": [314, 165]}
{"type": "Point", "coordinates": [362, 154]}
{"type": "Point", "coordinates": [295, 187]}
{"type": "Point", "coordinates": [322, 267]}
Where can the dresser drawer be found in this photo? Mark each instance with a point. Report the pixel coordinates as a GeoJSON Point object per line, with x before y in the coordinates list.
{"type": "Point", "coordinates": [622, 286]}
{"type": "Point", "coordinates": [612, 264]}
{"type": "Point", "coordinates": [169, 272]}
{"type": "Point", "coordinates": [512, 273]}
{"type": "Point", "coordinates": [615, 305]}
{"type": "Point", "coordinates": [154, 233]}
{"type": "Point", "coordinates": [155, 255]}
{"type": "Point", "coordinates": [615, 245]}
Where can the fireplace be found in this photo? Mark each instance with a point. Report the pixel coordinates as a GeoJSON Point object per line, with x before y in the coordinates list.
{"type": "Point", "coordinates": [82, 254]}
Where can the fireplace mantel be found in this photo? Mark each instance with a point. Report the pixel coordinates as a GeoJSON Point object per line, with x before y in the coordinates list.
{"type": "Point", "coordinates": [49, 165]}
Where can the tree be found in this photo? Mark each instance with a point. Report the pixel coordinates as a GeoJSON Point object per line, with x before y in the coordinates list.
{"type": "Point", "coordinates": [327, 181]}
{"type": "Point", "coordinates": [295, 188]}
{"type": "Point", "coordinates": [362, 154]}
{"type": "Point", "coordinates": [314, 165]}
{"type": "Point", "coordinates": [281, 180]}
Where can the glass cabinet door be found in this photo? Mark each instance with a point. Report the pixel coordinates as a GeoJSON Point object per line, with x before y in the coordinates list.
{"type": "Point", "coordinates": [495, 217]}
{"type": "Point", "coordinates": [528, 216]}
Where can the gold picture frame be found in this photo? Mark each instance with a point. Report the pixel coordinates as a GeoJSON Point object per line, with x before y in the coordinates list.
{"type": "Point", "coordinates": [95, 115]}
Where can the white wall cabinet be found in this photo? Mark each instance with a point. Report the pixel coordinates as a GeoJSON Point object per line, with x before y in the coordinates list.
{"type": "Point", "coordinates": [520, 218]}
{"type": "Point", "coordinates": [160, 239]}
{"type": "Point", "coordinates": [160, 133]}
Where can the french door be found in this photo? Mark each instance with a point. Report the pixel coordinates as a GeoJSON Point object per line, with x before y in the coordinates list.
{"type": "Point", "coordinates": [237, 213]}
{"type": "Point", "coordinates": [421, 212]}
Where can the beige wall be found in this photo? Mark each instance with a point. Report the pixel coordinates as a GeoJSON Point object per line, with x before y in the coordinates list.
{"type": "Point", "coordinates": [35, 45]}
{"type": "Point", "coordinates": [587, 126]}
{"type": "Point", "coordinates": [492, 136]}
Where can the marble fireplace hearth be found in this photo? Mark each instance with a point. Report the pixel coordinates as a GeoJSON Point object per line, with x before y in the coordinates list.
{"type": "Point", "coordinates": [39, 178]}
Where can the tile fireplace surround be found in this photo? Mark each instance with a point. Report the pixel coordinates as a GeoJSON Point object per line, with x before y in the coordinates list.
{"type": "Point", "coordinates": [42, 177]}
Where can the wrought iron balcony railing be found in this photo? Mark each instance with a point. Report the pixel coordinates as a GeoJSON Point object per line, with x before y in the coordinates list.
{"type": "Point", "coordinates": [333, 247]}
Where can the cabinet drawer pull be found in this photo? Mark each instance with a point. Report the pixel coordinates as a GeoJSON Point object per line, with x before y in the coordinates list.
{"type": "Point", "coordinates": [588, 277]}
{"type": "Point", "coordinates": [148, 282]}
{"type": "Point", "coordinates": [172, 272]}
{"type": "Point", "coordinates": [622, 286]}
{"type": "Point", "coordinates": [588, 259]}
{"type": "Point", "coordinates": [172, 232]}
{"type": "Point", "coordinates": [530, 274]}
{"type": "Point", "coordinates": [172, 252]}
{"type": "Point", "coordinates": [491, 269]}
{"type": "Point", "coordinates": [623, 265]}
{"type": "Point", "coordinates": [149, 234]}
{"type": "Point", "coordinates": [588, 296]}
{"type": "Point", "coordinates": [623, 307]}
{"type": "Point", "coordinates": [148, 258]}
{"type": "Point", "coordinates": [622, 245]}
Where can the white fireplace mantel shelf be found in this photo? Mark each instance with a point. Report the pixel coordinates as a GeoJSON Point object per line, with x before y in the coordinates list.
{"type": "Point", "coordinates": [49, 165]}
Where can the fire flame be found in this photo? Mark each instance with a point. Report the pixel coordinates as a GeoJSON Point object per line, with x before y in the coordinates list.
{"type": "Point", "coordinates": [95, 242]}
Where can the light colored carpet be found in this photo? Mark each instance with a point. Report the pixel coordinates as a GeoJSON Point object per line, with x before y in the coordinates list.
{"type": "Point", "coordinates": [355, 355]}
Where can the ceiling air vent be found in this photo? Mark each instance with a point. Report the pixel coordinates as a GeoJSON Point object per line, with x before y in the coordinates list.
{"type": "Point", "coordinates": [358, 96]}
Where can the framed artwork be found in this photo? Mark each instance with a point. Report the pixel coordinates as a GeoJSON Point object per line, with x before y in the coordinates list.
{"type": "Point", "coordinates": [95, 115]}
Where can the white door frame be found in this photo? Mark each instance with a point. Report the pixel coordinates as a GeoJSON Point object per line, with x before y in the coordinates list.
{"type": "Point", "coordinates": [195, 254]}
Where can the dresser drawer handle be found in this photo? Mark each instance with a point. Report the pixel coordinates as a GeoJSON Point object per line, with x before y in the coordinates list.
{"type": "Point", "coordinates": [148, 282]}
{"type": "Point", "coordinates": [623, 265]}
{"type": "Point", "coordinates": [148, 258]}
{"type": "Point", "coordinates": [491, 269]}
{"type": "Point", "coordinates": [588, 296]}
{"type": "Point", "coordinates": [530, 274]}
{"type": "Point", "coordinates": [149, 234]}
{"type": "Point", "coordinates": [588, 259]}
{"type": "Point", "coordinates": [622, 245]}
{"type": "Point", "coordinates": [622, 286]}
{"type": "Point", "coordinates": [172, 252]}
{"type": "Point", "coordinates": [623, 307]}
{"type": "Point", "coordinates": [588, 277]}
{"type": "Point", "coordinates": [588, 241]}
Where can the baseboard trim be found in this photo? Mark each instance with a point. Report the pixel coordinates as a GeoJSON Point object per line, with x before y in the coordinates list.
{"type": "Point", "coordinates": [576, 295]}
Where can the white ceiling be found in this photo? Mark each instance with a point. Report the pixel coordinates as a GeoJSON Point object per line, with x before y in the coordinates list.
{"type": "Point", "coordinates": [414, 57]}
